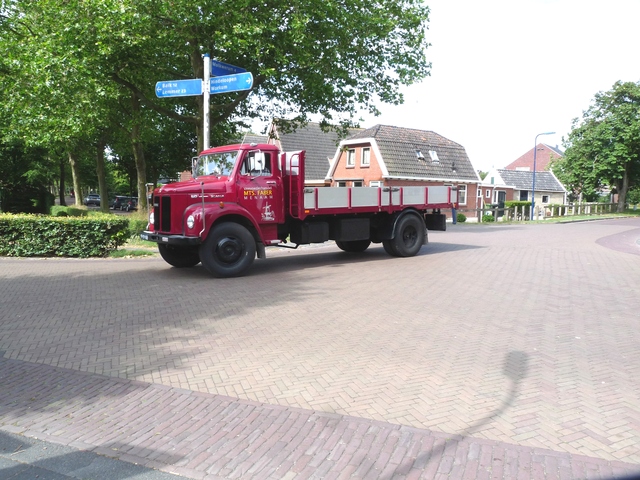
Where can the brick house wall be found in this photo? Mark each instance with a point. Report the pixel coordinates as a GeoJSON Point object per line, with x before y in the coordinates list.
{"type": "Point", "coordinates": [357, 172]}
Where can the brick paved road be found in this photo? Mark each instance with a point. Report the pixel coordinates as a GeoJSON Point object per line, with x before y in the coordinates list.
{"type": "Point", "coordinates": [499, 351]}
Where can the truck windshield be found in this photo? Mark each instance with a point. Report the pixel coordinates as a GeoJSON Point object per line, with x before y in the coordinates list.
{"type": "Point", "coordinates": [219, 164]}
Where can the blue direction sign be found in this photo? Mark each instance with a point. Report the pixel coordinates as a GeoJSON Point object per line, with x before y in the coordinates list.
{"type": "Point", "coordinates": [231, 83]}
{"type": "Point", "coordinates": [179, 88]}
{"type": "Point", "coordinates": [219, 69]}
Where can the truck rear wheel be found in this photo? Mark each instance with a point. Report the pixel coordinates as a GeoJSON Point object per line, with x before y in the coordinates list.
{"type": "Point", "coordinates": [389, 248]}
{"type": "Point", "coordinates": [228, 251]}
{"type": "Point", "coordinates": [354, 246]}
{"type": "Point", "coordinates": [409, 237]}
{"type": "Point", "coordinates": [179, 257]}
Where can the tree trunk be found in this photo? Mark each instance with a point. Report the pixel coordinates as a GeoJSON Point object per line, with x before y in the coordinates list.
{"type": "Point", "coordinates": [102, 177]}
{"type": "Point", "coordinates": [61, 186]}
{"type": "Point", "coordinates": [138, 154]}
{"type": "Point", "coordinates": [75, 175]}
{"type": "Point", "coordinates": [624, 188]}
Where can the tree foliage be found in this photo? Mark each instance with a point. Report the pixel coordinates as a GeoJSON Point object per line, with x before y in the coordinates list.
{"type": "Point", "coordinates": [603, 148]}
{"type": "Point", "coordinates": [82, 72]}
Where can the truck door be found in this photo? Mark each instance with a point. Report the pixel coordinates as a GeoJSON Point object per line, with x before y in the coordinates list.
{"type": "Point", "coordinates": [260, 187]}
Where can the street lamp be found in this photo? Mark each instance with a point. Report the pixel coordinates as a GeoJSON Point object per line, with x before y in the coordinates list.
{"type": "Point", "coordinates": [533, 189]}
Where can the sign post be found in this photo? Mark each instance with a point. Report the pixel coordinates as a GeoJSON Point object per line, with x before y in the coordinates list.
{"type": "Point", "coordinates": [227, 78]}
{"type": "Point", "coordinates": [205, 102]}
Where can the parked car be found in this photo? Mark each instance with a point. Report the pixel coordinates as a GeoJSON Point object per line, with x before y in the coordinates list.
{"type": "Point", "coordinates": [130, 204]}
{"type": "Point", "coordinates": [93, 199]}
{"type": "Point", "coordinates": [118, 202]}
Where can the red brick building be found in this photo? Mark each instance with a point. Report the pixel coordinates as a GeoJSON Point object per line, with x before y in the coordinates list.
{"type": "Point", "coordinates": [393, 156]}
{"type": "Point", "coordinates": [544, 155]}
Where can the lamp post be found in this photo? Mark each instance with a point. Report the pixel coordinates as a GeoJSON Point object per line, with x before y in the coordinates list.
{"type": "Point", "coordinates": [533, 188]}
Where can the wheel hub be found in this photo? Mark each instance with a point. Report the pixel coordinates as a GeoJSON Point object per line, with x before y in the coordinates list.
{"type": "Point", "coordinates": [229, 250]}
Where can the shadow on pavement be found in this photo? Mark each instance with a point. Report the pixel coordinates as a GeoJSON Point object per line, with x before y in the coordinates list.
{"type": "Point", "coordinates": [516, 369]}
{"type": "Point", "coordinates": [24, 457]}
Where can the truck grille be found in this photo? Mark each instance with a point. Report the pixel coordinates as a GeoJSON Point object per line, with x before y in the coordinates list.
{"type": "Point", "coordinates": [162, 214]}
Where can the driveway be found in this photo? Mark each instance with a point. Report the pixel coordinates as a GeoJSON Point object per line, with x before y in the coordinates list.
{"type": "Point", "coordinates": [517, 343]}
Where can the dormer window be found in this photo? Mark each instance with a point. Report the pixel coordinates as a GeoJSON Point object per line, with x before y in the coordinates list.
{"type": "Point", "coordinates": [434, 156]}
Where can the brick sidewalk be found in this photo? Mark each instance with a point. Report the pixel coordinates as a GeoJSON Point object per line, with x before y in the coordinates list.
{"type": "Point", "coordinates": [515, 339]}
{"type": "Point", "coordinates": [204, 436]}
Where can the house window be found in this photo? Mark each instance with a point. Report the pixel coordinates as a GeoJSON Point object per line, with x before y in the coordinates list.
{"type": "Point", "coordinates": [487, 193]}
{"type": "Point", "coordinates": [434, 156]}
{"type": "Point", "coordinates": [351, 158]}
{"type": "Point", "coordinates": [524, 195]}
{"type": "Point", "coordinates": [357, 183]}
{"type": "Point", "coordinates": [375, 183]}
{"type": "Point", "coordinates": [462, 194]}
{"type": "Point", "coordinates": [545, 198]}
{"type": "Point", "coordinates": [479, 192]}
{"type": "Point", "coordinates": [366, 157]}
{"type": "Point", "coordinates": [341, 184]}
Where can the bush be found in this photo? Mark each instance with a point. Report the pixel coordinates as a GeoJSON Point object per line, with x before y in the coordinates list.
{"type": "Point", "coordinates": [488, 218]}
{"type": "Point", "coordinates": [137, 223]}
{"type": "Point", "coordinates": [517, 203]}
{"type": "Point", "coordinates": [60, 211]}
{"type": "Point", "coordinates": [461, 218]}
{"type": "Point", "coordinates": [46, 236]}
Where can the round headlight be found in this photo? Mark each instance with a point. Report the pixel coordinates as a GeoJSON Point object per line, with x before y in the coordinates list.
{"type": "Point", "coordinates": [191, 221]}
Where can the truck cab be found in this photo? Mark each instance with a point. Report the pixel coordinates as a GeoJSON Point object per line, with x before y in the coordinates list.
{"type": "Point", "coordinates": [235, 184]}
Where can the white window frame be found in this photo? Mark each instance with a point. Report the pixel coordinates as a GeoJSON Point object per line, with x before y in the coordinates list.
{"type": "Point", "coordinates": [357, 183]}
{"type": "Point", "coordinates": [461, 189]}
{"type": "Point", "coordinates": [365, 161]}
{"type": "Point", "coordinates": [547, 197]}
{"type": "Point", "coordinates": [487, 193]}
{"type": "Point", "coordinates": [351, 158]}
{"type": "Point", "coordinates": [376, 183]}
{"type": "Point", "coordinates": [341, 183]}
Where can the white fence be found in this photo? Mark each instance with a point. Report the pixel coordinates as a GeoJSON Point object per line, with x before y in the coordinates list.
{"type": "Point", "coordinates": [542, 212]}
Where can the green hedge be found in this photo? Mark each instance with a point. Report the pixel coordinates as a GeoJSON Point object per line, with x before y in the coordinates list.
{"type": "Point", "coordinates": [517, 203]}
{"type": "Point", "coordinates": [45, 236]}
{"type": "Point", "coordinates": [59, 211]}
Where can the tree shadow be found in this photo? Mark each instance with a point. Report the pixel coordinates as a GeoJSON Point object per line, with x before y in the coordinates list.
{"type": "Point", "coordinates": [24, 457]}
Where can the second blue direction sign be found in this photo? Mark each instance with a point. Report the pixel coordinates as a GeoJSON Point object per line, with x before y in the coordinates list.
{"type": "Point", "coordinates": [231, 83]}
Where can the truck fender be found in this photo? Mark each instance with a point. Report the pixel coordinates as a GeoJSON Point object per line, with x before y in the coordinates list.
{"type": "Point", "coordinates": [215, 213]}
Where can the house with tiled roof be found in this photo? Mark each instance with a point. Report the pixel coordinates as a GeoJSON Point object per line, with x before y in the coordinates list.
{"type": "Point", "coordinates": [394, 156]}
{"type": "Point", "coordinates": [319, 145]}
{"type": "Point", "coordinates": [544, 155]}
{"type": "Point", "coordinates": [501, 185]}
{"type": "Point", "coordinates": [249, 138]}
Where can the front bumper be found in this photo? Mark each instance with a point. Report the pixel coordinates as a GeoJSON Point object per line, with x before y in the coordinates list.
{"type": "Point", "coordinates": [170, 239]}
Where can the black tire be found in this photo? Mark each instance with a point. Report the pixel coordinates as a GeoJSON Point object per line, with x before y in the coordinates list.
{"type": "Point", "coordinates": [228, 251]}
{"type": "Point", "coordinates": [179, 257]}
{"type": "Point", "coordinates": [354, 246]}
{"type": "Point", "coordinates": [389, 248]}
{"type": "Point", "coordinates": [409, 236]}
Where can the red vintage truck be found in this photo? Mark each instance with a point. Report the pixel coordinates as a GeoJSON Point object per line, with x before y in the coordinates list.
{"type": "Point", "coordinates": [243, 198]}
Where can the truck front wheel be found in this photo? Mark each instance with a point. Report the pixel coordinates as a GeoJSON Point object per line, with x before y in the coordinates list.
{"type": "Point", "coordinates": [179, 257]}
{"type": "Point", "coordinates": [228, 251]}
{"type": "Point", "coordinates": [354, 246]}
{"type": "Point", "coordinates": [409, 237]}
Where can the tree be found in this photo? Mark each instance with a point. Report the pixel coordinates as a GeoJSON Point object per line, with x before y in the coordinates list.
{"type": "Point", "coordinates": [603, 148]}
{"type": "Point", "coordinates": [75, 63]}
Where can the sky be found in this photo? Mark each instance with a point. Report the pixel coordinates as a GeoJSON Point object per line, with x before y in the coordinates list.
{"type": "Point", "coordinates": [504, 71]}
